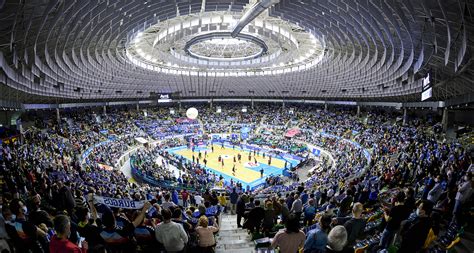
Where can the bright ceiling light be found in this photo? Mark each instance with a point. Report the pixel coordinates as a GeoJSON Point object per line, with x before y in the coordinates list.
{"type": "Point", "coordinates": [223, 53]}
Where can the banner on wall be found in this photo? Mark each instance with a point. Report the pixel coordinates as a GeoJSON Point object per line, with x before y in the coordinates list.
{"type": "Point", "coordinates": [119, 203]}
{"type": "Point", "coordinates": [292, 132]}
{"type": "Point", "coordinates": [90, 149]}
{"type": "Point", "coordinates": [105, 167]}
{"type": "Point", "coordinates": [316, 152]}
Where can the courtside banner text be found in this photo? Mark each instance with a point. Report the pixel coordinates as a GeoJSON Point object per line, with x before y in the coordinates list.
{"type": "Point", "coordinates": [120, 203]}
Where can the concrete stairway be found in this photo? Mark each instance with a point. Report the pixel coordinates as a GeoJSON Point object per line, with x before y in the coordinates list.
{"type": "Point", "coordinates": [232, 239]}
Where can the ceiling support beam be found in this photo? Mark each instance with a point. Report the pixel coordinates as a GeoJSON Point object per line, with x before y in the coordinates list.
{"type": "Point", "coordinates": [251, 14]}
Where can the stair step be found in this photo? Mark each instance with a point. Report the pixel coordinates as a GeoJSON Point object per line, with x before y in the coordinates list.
{"type": "Point", "coordinates": [232, 239]}
{"type": "Point", "coordinates": [234, 250]}
{"type": "Point", "coordinates": [232, 232]}
{"type": "Point", "coordinates": [237, 244]}
{"type": "Point", "coordinates": [233, 236]}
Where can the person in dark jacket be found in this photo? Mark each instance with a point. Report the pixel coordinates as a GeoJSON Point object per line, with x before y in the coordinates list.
{"type": "Point", "coordinates": [354, 225]}
{"type": "Point", "coordinates": [394, 217]}
{"type": "Point", "coordinates": [345, 204]}
{"type": "Point", "coordinates": [241, 209]}
{"type": "Point", "coordinates": [255, 217]}
{"type": "Point", "coordinates": [65, 198]}
{"type": "Point", "coordinates": [234, 196]}
{"type": "Point", "coordinates": [414, 232]}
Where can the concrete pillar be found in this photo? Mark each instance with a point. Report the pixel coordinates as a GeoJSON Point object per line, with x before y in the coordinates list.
{"type": "Point", "coordinates": [138, 107]}
{"type": "Point", "coordinates": [358, 110]}
{"type": "Point", "coordinates": [58, 116]}
{"type": "Point", "coordinates": [104, 110]}
{"type": "Point", "coordinates": [283, 104]}
{"type": "Point", "coordinates": [404, 116]}
{"type": "Point", "coordinates": [252, 104]}
{"type": "Point", "coordinates": [444, 121]}
{"type": "Point", "coordinates": [325, 107]}
{"type": "Point", "coordinates": [210, 104]}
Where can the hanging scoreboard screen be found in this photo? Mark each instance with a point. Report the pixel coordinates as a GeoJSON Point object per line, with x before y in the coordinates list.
{"type": "Point", "coordinates": [427, 89]}
{"type": "Point", "coordinates": [164, 98]}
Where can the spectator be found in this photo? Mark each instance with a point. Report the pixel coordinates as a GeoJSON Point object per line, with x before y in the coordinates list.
{"type": "Point", "coordinates": [269, 217]}
{"type": "Point", "coordinates": [436, 191]}
{"type": "Point", "coordinates": [184, 197]}
{"type": "Point", "coordinates": [233, 200]}
{"type": "Point", "coordinates": [337, 240]}
{"type": "Point", "coordinates": [175, 197]}
{"type": "Point", "coordinates": [345, 204]}
{"type": "Point", "coordinates": [297, 206]}
{"type": "Point", "coordinates": [316, 239]}
{"type": "Point", "coordinates": [309, 213]}
{"type": "Point", "coordinates": [120, 235]}
{"type": "Point", "coordinates": [87, 226]}
{"type": "Point", "coordinates": [171, 234]}
{"type": "Point", "coordinates": [223, 202]}
{"type": "Point", "coordinates": [414, 232]}
{"type": "Point", "coordinates": [167, 204]}
{"type": "Point", "coordinates": [355, 225]}
{"type": "Point", "coordinates": [254, 217]}
{"type": "Point", "coordinates": [394, 218]}
{"type": "Point", "coordinates": [205, 233]}
{"type": "Point", "coordinates": [60, 243]}
{"type": "Point", "coordinates": [240, 209]}
{"type": "Point", "coordinates": [463, 194]}
{"type": "Point", "coordinates": [285, 212]}
{"type": "Point", "coordinates": [24, 234]}
{"type": "Point", "coordinates": [291, 238]}
{"type": "Point", "coordinates": [65, 198]}
{"type": "Point", "coordinates": [251, 204]}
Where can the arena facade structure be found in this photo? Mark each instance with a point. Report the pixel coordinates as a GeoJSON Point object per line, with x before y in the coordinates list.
{"type": "Point", "coordinates": [58, 56]}
{"type": "Point", "coordinates": [61, 51]}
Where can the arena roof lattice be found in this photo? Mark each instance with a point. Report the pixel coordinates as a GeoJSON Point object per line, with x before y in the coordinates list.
{"type": "Point", "coordinates": [62, 50]}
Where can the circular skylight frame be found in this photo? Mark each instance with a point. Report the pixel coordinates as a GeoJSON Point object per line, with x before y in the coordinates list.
{"type": "Point", "coordinates": [307, 53]}
{"type": "Point", "coordinates": [246, 38]}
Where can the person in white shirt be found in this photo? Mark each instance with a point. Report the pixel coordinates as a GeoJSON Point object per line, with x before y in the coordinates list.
{"type": "Point", "coordinates": [167, 204]}
{"type": "Point", "coordinates": [435, 193]}
{"type": "Point", "coordinates": [198, 200]}
{"type": "Point", "coordinates": [171, 234]}
{"type": "Point", "coordinates": [297, 207]}
{"type": "Point", "coordinates": [205, 233]}
{"type": "Point", "coordinates": [463, 194]}
{"type": "Point", "coordinates": [330, 193]}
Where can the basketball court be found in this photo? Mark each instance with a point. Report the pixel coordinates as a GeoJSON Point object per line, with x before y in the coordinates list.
{"type": "Point", "coordinates": [248, 172]}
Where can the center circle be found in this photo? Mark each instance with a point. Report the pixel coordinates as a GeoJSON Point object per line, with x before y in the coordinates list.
{"type": "Point", "coordinates": [221, 46]}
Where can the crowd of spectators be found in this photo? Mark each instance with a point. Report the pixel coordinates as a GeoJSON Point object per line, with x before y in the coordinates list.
{"type": "Point", "coordinates": [49, 191]}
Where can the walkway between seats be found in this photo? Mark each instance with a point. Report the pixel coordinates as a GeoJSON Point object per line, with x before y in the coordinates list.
{"type": "Point", "coordinates": [232, 239]}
